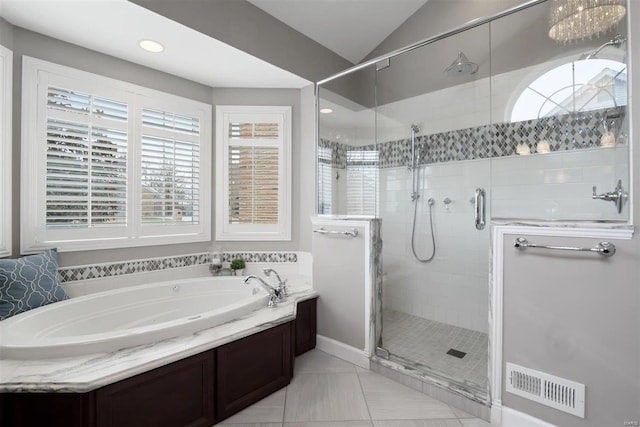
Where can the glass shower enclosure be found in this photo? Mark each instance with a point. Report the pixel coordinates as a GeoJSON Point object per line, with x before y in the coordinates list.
{"type": "Point", "coordinates": [492, 122]}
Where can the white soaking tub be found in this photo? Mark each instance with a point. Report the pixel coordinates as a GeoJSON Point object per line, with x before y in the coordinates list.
{"type": "Point", "coordinates": [113, 320]}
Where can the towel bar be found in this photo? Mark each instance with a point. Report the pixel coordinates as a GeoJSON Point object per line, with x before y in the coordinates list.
{"type": "Point", "coordinates": [352, 233]}
{"type": "Point", "coordinates": [605, 249]}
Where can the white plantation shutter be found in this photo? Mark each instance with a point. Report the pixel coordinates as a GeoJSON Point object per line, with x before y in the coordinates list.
{"type": "Point", "coordinates": [170, 171]}
{"type": "Point", "coordinates": [253, 185]}
{"type": "Point", "coordinates": [325, 180]}
{"type": "Point", "coordinates": [253, 166]}
{"type": "Point", "coordinates": [108, 164]}
{"type": "Point", "coordinates": [86, 160]}
{"type": "Point", "coordinates": [362, 182]}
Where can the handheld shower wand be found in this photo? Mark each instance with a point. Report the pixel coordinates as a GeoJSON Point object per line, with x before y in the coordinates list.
{"type": "Point", "coordinates": [415, 195]}
{"type": "Point", "coordinates": [413, 163]}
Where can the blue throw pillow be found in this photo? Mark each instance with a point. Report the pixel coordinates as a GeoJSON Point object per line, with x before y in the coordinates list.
{"type": "Point", "coordinates": [29, 282]}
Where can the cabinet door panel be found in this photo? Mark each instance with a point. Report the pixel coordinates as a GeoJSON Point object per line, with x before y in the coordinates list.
{"type": "Point", "coordinates": [252, 368]}
{"type": "Point", "coordinates": [306, 326]}
{"type": "Point", "coordinates": [177, 395]}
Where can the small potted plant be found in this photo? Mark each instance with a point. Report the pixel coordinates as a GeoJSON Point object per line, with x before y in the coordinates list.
{"type": "Point", "coordinates": [238, 265]}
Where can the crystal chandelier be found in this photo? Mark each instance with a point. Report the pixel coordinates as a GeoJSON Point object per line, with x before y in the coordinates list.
{"type": "Point", "coordinates": [571, 20]}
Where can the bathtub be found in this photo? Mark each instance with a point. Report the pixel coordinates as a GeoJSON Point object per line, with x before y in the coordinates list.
{"type": "Point", "coordinates": [105, 322]}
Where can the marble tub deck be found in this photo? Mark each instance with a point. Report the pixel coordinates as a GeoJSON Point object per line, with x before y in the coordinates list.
{"type": "Point", "coordinates": [80, 374]}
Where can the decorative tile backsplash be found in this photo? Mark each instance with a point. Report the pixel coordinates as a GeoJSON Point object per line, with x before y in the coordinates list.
{"type": "Point", "coordinates": [260, 256]}
{"type": "Point", "coordinates": [337, 155]}
{"type": "Point", "coordinates": [567, 132]}
{"type": "Point", "coordinates": [85, 272]}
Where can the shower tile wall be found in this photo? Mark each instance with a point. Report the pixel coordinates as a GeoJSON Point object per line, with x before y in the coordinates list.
{"type": "Point", "coordinates": [453, 287]}
{"type": "Point", "coordinates": [558, 185]}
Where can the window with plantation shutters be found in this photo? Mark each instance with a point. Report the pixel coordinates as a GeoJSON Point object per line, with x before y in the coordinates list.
{"type": "Point", "coordinates": [362, 182]}
{"type": "Point", "coordinates": [253, 185]}
{"type": "Point", "coordinates": [86, 160]}
{"type": "Point", "coordinates": [108, 164]}
{"type": "Point", "coordinates": [325, 178]}
{"type": "Point", "coordinates": [170, 175]}
{"type": "Point", "coordinates": [253, 151]}
{"type": "Point", "coordinates": [6, 84]}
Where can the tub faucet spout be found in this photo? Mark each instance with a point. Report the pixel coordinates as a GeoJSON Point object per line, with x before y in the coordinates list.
{"type": "Point", "coordinates": [274, 294]}
{"type": "Point", "coordinates": [282, 284]}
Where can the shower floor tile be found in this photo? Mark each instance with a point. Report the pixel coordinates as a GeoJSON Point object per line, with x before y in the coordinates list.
{"type": "Point", "coordinates": [426, 342]}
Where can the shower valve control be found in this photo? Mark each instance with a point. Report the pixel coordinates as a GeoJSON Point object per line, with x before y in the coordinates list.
{"type": "Point", "coordinates": [617, 196]}
{"type": "Point", "coordinates": [447, 201]}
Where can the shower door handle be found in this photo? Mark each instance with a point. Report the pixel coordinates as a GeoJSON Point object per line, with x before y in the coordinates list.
{"type": "Point", "coordinates": [480, 208]}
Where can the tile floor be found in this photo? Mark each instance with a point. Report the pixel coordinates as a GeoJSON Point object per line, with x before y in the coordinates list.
{"type": "Point", "coordinates": [329, 392]}
{"type": "Point", "coordinates": [426, 343]}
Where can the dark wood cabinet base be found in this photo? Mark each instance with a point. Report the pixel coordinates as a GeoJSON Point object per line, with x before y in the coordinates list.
{"type": "Point", "coordinates": [252, 368]}
{"type": "Point", "coordinates": [47, 409]}
{"type": "Point", "coordinates": [305, 326]}
{"type": "Point", "coordinates": [179, 394]}
{"type": "Point", "coordinates": [200, 390]}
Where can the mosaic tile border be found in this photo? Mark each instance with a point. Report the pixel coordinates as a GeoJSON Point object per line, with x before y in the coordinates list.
{"type": "Point", "coordinates": [338, 153]}
{"type": "Point", "coordinates": [98, 271]}
{"type": "Point", "coordinates": [260, 256]}
{"type": "Point", "coordinates": [563, 133]}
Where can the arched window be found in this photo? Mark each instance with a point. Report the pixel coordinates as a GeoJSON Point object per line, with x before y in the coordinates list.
{"type": "Point", "coordinates": [576, 86]}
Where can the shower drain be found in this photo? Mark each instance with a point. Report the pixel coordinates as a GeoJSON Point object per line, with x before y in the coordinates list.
{"type": "Point", "coordinates": [456, 353]}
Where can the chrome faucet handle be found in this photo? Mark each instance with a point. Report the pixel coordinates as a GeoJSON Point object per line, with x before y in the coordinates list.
{"type": "Point", "coordinates": [273, 299]}
{"type": "Point", "coordinates": [610, 196]}
{"type": "Point", "coordinates": [282, 284]}
{"type": "Point", "coordinates": [283, 288]}
{"type": "Point", "coordinates": [275, 295]}
{"type": "Point", "coordinates": [267, 272]}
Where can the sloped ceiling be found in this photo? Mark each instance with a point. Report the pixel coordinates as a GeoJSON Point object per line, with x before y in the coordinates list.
{"type": "Point", "coordinates": [115, 27]}
{"type": "Point", "coordinates": [350, 28]}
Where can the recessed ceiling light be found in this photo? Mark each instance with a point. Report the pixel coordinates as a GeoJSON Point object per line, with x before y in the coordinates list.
{"type": "Point", "coordinates": [151, 46]}
{"type": "Point", "coordinates": [326, 110]}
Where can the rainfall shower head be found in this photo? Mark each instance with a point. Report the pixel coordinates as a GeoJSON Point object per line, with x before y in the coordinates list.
{"type": "Point", "coordinates": [461, 66]}
{"type": "Point", "coordinates": [615, 42]}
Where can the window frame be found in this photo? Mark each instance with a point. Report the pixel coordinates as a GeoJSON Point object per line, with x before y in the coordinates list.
{"type": "Point", "coordinates": [34, 236]}
{"type": "Point", "coordinates": [254, 114]}
{"type": "Point", "coordinates": [6, 115]}
{"type": "Point", "coordinates": [537, 74]}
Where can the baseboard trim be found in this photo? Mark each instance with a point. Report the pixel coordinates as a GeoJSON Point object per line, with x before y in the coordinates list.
{"type": "Point", "coordinates": [513, 418]}
{"type": "Point", "coordinates": [343, 351]}
{"type": "Point", "coordinates": [495, 416]}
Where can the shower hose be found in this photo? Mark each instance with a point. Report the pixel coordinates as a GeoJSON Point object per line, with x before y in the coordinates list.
{"type": "Point", "coordinates": [413, 231]}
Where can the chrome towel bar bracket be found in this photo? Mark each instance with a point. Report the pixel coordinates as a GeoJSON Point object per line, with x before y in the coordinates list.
{"type": "Point", "coordinates": [605, 249]}
{"type": "Point", "coordinates": [350, 233]}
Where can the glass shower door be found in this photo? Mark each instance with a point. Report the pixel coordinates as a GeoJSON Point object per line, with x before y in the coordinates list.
{"type": "Point", "coordinates": [432, 133]}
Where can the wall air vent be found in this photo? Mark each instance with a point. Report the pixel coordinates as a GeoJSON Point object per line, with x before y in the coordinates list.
{"type": "Point", "coordinates": [549, 390]}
